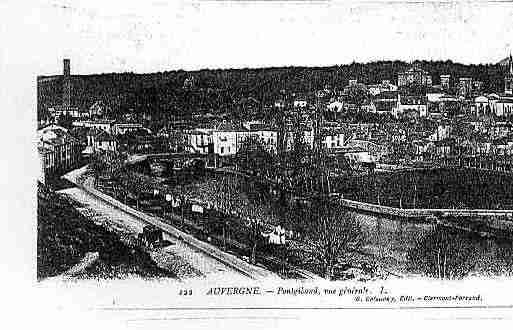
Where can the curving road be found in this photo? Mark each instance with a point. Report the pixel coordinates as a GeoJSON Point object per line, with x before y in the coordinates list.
{"type": "Point", "coordinates": [100, 211]}
{"type": "Point", "coordinates": [206, 259]}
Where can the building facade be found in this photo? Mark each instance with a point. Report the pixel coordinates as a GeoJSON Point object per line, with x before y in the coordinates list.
{"type": "Point", "coordinates": [58, 151]}
{"type": "Point", "coordinates": [445, 82]}
{"type": "Point", "coordinates": [123, 128]}
{"type": "Point", "coordinates": [104, 125]}
{"type": "Point", "coordinates": [98, 140]}
{"type": "Point", "coordinates": [414, 75]}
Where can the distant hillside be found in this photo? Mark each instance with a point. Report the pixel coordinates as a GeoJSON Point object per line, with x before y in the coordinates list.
{"type": "Point", "coordinates": [163, 93]}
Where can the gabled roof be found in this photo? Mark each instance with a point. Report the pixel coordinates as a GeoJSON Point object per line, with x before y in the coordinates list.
{"type": "Point", "coordinates": [94, 131]}
{"type": "Point", "coordinates": [447, 98]}
{"type": "Point", "coordinates": [55, 135]}
{"type": "Point", "coordinates": [481, 99]}
{"type": "Point", "coordinates": [230, 127]}
{"type": "Point", "coordinates": [43, 150]}
{"type": "Point", "coordinates": [386, 95]}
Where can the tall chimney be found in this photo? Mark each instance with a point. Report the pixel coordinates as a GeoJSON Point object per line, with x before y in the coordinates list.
{"type": "Point", "coordinates": [66, 91]}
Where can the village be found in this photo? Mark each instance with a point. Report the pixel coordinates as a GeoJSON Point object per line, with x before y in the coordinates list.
{"type": "Point", "coordinates": [253, 186]}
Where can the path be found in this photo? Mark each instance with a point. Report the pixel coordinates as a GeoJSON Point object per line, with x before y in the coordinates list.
{"type": "Point", "coordinates": [121, 221]}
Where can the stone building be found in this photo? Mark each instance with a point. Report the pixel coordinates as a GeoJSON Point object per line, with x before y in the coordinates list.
{"type": "Point", "coordinates": [58, 151]}
{"type": "Point", "coordinates": [414, 75]}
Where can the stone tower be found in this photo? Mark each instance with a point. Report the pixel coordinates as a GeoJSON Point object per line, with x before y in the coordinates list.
{"type": "Point", "coordinates": [66, 88]}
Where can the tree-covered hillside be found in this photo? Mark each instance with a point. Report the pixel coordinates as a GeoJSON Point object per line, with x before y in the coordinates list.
{"type": "Point", "coordinates": [229, 90]}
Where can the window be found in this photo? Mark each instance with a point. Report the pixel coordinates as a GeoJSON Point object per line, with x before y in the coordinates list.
{"type": "Point", "coordinates": [222, 150]}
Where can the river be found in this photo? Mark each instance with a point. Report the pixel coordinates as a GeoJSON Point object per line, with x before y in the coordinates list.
{"type": "Point", "coordinates": [413, 247]}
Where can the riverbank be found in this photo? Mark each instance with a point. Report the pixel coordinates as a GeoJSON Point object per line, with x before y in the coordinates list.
{"type": "Point", "coordinates": [231, 197]}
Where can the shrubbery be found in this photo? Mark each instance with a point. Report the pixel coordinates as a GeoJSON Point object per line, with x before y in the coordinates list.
{"type": "Point", "coordinates": [65, 236]}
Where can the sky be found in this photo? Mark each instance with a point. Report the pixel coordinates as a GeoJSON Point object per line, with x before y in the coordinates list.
{"type": "Point", "coordinates": [121, 36]}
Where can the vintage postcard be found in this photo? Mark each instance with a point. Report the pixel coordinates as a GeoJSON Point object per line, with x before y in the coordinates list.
{"type": "Point", "coordinates": [274, 161]}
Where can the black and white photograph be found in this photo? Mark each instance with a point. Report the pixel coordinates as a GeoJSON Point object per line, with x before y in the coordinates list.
{"type": "Point", "coordinates": [272, 158]}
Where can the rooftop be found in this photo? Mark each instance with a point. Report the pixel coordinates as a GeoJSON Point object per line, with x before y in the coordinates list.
{"type": "Point", "coordinates": [54, 135]}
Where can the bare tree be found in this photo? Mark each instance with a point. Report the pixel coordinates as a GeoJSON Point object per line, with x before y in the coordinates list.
{"type": "Point", "coordinates": [106, 164]}
{"type": "Point", "coordinates": [357, 95]}
{"type": "Point", "coordinates": [254, 225]}
{"type": "Point", "coordinates": [226, 199]}
{"type": "Point", "coordinates": [444, 253]}
{"type": "Point", "coordinates": [333, 232]}
{"type": "Point", "coordinates": [97, 166]}
{"type": "Point", "coordinates": [255, 157]}
{"type": "Point", "coordinates": [136, 184]}
{"type": "Point", "coordinates": [227, 194]}
{"type": "Point", "coordinates": [255, 229]}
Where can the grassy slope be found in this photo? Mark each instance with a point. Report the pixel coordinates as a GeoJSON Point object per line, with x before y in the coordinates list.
{"type": "Point", "coordinates": [64, 236]}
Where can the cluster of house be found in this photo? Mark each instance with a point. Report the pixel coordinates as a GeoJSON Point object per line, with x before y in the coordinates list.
{"type": "Point", "coordinates": [494, 139]}
{"type": "Point", "coordinates": [102, 135]}
{"type": "Point", "coordinates": [61, 149]}
{"type": "Point", "coordinates": [445, 100]}
{"type": "Point", "coordinates": [55, 113]}
{"type": "Point", "coordinates": [90, 132]}
{"type": "Point", "coordinates": [227, 139]}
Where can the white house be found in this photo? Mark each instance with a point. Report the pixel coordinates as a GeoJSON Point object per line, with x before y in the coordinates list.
{"type": "Point", "coordinates": [228, 138]}
{"type": "Point", "coordinates": [384, 86]}
{"type": "Point", "coordinates": [412, 103]}
{"type": "Point", "coordinates": [199, 140]}
{"type": "Point", "coordinates": [104, 125]}
{"type": "Point", "coordinates": [504, 107]}
{"type": "Point", "coordinates": [123, 128]}
{"type": "Point", "coordinates": [98, 140]}
{"type": "Point", "coordinates": [481, 106]}
{"type": "Point", "coordinates": [300, 103]}
{"type": "Point", "coordinates": [333, 138]}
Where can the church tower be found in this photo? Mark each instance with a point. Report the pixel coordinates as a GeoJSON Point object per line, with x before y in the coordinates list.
{"type": "Point", "coordinates": [508, 78]}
